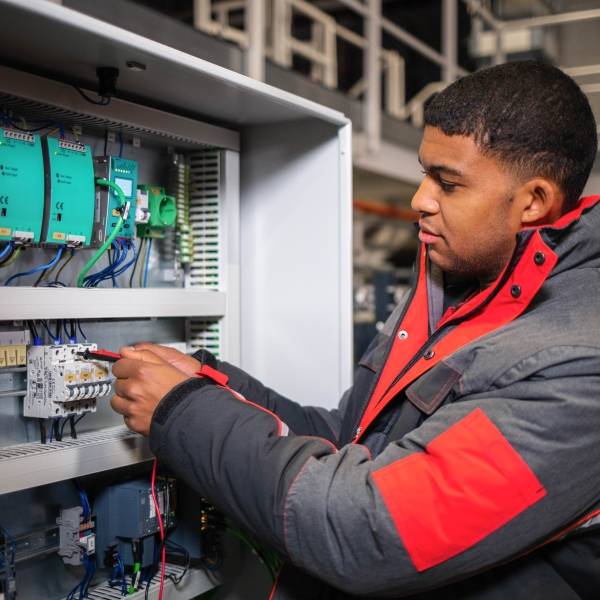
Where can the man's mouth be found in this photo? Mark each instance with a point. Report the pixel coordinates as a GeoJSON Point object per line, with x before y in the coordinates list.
{"type": "Point", "coordinates": [427, 236]}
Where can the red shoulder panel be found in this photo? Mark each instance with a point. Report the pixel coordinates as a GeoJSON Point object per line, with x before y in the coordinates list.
{"type": "Point", "coordinates": [468, 483]}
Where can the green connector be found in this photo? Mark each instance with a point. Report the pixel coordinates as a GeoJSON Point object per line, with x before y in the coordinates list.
{"type": "Point", "coordinates": [162, 211]}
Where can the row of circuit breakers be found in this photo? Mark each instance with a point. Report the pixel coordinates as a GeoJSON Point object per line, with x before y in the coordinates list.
{"type": "Point", "coordinates": [62, 379]}
{"type": "Point", "coordinates": [48, 194]}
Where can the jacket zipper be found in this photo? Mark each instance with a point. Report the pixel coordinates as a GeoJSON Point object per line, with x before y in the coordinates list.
{"type": "Point", "coordinates": [436, 334]}
{"type": "Point", "coordinates": [413, 291]}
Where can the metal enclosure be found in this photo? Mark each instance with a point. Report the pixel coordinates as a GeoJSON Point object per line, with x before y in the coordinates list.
{"type": "Point", "coordinates": [295, 187]}
{"type": "Point", "coordinates": [283, 305]}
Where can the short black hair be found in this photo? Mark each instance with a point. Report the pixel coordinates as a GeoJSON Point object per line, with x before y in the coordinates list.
{"type": "Point", "coordinates": [530, 115]}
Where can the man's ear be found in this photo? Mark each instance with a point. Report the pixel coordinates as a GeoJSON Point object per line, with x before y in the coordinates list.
{"type": "Point", "coordinates": [540, 201]}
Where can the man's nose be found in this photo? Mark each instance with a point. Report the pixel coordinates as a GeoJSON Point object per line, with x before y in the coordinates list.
{"type": "Point", "coordinates": [424, 200]}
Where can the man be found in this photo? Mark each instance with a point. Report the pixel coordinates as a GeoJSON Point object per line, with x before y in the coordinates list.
{"type": "Point", "coordinates": [465, 461]}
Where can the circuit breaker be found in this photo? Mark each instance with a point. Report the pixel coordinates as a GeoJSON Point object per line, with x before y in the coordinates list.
{"type": "Point", "coordinates": [69, 193]}
{"type": "Point", "coordinates": [124, 173]}
{"type": "Point", "coordinates": [125, 513]}
{"type": "Point", "coordinates": [61, 383]}
{"type": "Point", "coordinates": [21, 186]}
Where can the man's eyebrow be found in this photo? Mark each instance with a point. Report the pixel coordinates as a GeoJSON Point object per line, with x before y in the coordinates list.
{"type": "Point", "coordinates": [441, 169]}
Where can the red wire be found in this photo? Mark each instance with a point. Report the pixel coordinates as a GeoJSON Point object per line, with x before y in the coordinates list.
{"type": "Point", "coordinates": [163, 552]}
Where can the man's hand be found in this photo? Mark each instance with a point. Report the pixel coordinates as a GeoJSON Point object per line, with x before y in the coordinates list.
{"type": "Point", "coordinates": [177, 359]}
{"type": "Point", "coordinates": [143, 379]}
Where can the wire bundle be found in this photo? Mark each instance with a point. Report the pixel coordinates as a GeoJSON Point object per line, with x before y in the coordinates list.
{"type": "Point", "coordinates": [123, 206]}
{"type": "Point", "coordinates": [118, 264]}
{"type": "Point", "coordinates": [43, 267]}
{"type": "Point", "coordinates": [7, 563]}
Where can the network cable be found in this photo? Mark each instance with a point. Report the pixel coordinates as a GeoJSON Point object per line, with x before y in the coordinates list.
{"type": "Point", "coordinates": [37, 269]}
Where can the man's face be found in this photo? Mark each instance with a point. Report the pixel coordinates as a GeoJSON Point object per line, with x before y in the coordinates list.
{"type": "Point", "coordinates": [468, 219]}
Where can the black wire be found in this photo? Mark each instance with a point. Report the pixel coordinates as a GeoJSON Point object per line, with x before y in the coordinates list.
{"type": "Point", "coordinates": [72, 427]}
{"type": "Point", "coordinates": [62, 429]}
{"type": "Point", "coordinates": [137, 257]}
{"type": "Point", "coordinates": [45, 326]}
{"type": "Point", "coordinates": [188, 559]}
{"type": "Point", "coordinates": [79, 418]}
{"type": "Point", "coordinates": [105, 142]}
{"type": "Point", "coordinates": [81, 331]}
{"type": "Point", "coordinates": [58, 328]}
{"type": "Point", "coordinates": [104, 102]}
{"type": "Point", "coordinates": [43, 432]}
{"type": "Point", "coordinates": [58, 431]}
{"type": "Point", "coordinates": [33, 328]}
{"type": "Point", "coordinates": [32, 130]}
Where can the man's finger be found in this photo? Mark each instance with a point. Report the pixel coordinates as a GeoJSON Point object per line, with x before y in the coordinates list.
{"type": "Point", "coordinates": [143, 355]}
{"type": "Point", "coordinates": [121, 405]}
{"type": "Point", "coordinates": [122, 389]}
{"type": "Point", "coordinates": [162, 351]}
{"type": "Point", "coordinates": [126, 367]}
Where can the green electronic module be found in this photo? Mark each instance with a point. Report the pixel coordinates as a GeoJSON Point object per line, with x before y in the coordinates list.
{"type": "Point", "coordinates": [69, 193]}
{"type": "Point", "coordinates": [124, 173]}
{"type": "Point", "coordinates": [21, 186]}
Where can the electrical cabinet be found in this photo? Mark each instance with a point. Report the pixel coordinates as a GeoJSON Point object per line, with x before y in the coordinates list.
{"type": "Point", "coordinates": [238, 201]}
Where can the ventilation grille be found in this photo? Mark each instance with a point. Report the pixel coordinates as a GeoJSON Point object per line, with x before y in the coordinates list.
{"type": "Point", "coordinates": [39, 111]}
{"type": "Point", "coordinates": [105, 592]}
{"type": "Point", "coordinates": [108, 435]}
{"type": "Point", "coordinates": [205, 220]}
{"type": "Point", "coordinates": [204, 333]}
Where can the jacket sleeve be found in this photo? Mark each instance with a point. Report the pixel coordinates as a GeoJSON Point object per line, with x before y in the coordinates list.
{"type": "Point", "coordinates": [484, 480]}
{"type": "Point", "coordinates": [302, 420]}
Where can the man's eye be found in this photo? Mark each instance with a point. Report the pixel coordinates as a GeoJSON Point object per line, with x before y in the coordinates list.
{"type": "Point", "coordinates": [447, 187]}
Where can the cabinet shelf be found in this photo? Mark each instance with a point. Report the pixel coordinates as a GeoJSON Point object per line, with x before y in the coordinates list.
{"type": "Point", "coordinates": [28, 465]}
{"type": "Point", "coordinates": [19, 303]}
{"type": "Point", "coordinates": [194, 583]}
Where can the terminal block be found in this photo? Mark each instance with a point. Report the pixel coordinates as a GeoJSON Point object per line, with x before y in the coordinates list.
{"type": "Point", "coordinates": [13, 348]}
{"type": "Point", "coordinates": [76, 535]}
{"type": "Point", "coordinates": [61, 383]}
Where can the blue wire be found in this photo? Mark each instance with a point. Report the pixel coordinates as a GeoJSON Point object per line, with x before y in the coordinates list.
{"type": "Point", "coordinates": [6, 250]}
{"type": "Point", "coordinates": [107, 273]}
{"type": "Point", "coordinates": [38, 269]}
{"type": "Point", "coordinates": [128, 265]}
{"type": "Point", "coordinates": [145, 280]}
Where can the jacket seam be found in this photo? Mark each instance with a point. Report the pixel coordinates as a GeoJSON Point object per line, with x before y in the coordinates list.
{"type": "Point", "coordinates": [286, 506]}
{"type": "Point", "coordinates": [495, 378]}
